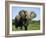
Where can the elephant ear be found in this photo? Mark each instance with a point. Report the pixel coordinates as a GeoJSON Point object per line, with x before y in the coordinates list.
{"type": "Point", "coordinates": [33, 15]}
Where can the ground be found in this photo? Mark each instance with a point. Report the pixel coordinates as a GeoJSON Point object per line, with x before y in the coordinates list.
{"type": "Point", "coordinates": [31, 26]}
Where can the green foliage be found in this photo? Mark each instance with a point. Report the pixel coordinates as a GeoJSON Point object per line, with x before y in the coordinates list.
{"type": "Point", "coordinates": [13, 22]}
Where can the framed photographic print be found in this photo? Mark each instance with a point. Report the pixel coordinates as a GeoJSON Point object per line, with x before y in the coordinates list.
{"type": "Point", "coordinates": [24, 18]}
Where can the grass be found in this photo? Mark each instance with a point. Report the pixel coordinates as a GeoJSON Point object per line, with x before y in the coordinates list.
{"type": "Point", "coordinates": [31, 26]}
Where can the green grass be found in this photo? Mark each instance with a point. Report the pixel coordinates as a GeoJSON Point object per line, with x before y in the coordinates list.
{"type": "Point", "coordinates": [31, 26]}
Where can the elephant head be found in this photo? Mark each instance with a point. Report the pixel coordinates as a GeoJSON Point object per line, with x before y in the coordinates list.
{"type": "Point", "coordinates": [23, 13]}
{"type": "Point", "coordinates": [29, 15]}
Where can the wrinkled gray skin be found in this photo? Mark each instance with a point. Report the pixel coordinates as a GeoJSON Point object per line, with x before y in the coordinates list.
{"type": "Point", "coordinates": [24, 18]}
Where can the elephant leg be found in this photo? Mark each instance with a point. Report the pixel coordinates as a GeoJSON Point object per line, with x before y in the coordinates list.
{"type": "Point", "coordinates": [25, 27]}
{"type": "Point", "coordinates": [16, 26]}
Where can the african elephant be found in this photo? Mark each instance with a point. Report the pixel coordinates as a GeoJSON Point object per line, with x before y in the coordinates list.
{"type": "Point", "coordinates": [23, 18]}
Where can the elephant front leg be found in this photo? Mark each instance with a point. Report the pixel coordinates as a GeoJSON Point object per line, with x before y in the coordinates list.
{"type": "Point", "coordinates": [25, 27]}
{"type": "Point", "coordinates": [16, 27]}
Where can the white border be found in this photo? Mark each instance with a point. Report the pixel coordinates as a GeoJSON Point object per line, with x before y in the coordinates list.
{"type": "Point", "coordinates": [24, 32]}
